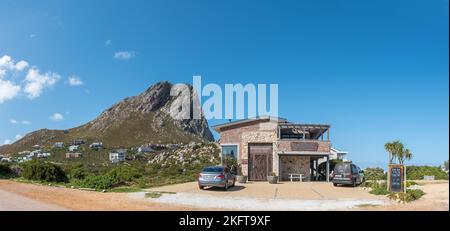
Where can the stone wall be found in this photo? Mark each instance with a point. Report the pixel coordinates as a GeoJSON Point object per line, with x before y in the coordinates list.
{"type": "Point", "coordinates": [255, 138]}
{"type": "Point", "coordinates": [307, 145]}
{"type": "Point", "coordinates": [261, 132]}
{"type": "Point", "coordinates": [294, 164]}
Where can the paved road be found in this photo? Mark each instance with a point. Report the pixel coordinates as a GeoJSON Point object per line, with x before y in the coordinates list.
{"type": "Point", "coordinates": [13, 202]}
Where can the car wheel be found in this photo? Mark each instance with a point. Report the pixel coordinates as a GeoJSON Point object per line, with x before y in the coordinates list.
{"type": "Point", "coordinates": [335, 185]}
{"type": "Point", "coordinates": [201, 187]}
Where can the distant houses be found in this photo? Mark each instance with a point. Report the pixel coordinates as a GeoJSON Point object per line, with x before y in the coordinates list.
{"type": "Point", "coordinates": [43, 155]}
{"type": "Point", "coordinates": [96, 145]}
{"type": "Point", "coordinates": [145, 149]}
{"type": "Point", "coordinates": [71, 155]}
{"type": "Point", "coordinates": [117, 155]}
{"type": "Point", "coordinates": [58, 145]}
{"type": "Point", "coordinates": [74, 148]}
{"type": "Point", "coordinates": [24, 153]}
{"type": "Point", "coordinates": [78, 142]}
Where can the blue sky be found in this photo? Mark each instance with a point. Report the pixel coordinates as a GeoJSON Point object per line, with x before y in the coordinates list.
{"type": "Point", "coordinates": [374, 70]}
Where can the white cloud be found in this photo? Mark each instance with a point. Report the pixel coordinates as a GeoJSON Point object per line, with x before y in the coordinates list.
{"type": "Point", "coordinates": [8, 64]}
{"type": "Point", "coordinates": [57, 117]}
{"type": "Point", "coordinates": [2, 73]}
{"type": "Point", "coordinates": [7, 141]}
{"type": "Point", "coordinates": [24, 122]}
{"type": "Point", "coordinates": [75, 81]}
{"type": "Point", "coordinates": [8, 90]}
{"type": "Point", "coordinates": [18, 137]}
{"type": "Point", "coordinates": [21, 65]}
{"type": "Point", "coordinates": [35, 82]}
{"type": "Point", "coordinates": [124, 55]}
{"type": "Point", "coordinates": [18, 78]}
{"type": "Point", "coordinates": [108, 43]}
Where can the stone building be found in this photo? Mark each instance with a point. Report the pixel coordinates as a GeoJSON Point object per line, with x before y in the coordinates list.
{"type": "Point", "coordinates": [265, 145]}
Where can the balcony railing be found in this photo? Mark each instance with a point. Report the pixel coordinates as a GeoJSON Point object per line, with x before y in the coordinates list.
{"type": "Point", "coordinates": [303, 145]}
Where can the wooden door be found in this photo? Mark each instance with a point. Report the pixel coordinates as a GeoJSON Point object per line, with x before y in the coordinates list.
{"type": "Point", "coordinates": [260, 161]}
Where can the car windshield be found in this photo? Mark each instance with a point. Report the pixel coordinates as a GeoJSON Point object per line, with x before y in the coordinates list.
{"type": "Point", "coordinates": [342, 168]}
{"type": "Point", "coordinates": [213, 169]}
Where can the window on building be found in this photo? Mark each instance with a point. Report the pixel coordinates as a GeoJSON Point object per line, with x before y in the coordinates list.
{"type": "Point", "coordinates": [229, 151]}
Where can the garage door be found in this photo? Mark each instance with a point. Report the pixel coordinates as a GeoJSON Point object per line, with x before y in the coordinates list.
{"type": "Point", "coordinates": [260, 161]}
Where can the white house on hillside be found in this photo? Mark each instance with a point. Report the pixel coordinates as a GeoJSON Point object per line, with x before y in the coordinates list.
{"type": "Point", "coordinates": [58, 145]}
{"type": "Point", "coordinates": [145, 149]}
{"type": "Point", "coordinates": [74, 148]}
{"type": "Point", "coordinates": [117, 156]}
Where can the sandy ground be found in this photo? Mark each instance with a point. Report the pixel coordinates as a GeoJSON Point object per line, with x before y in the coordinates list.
{"type": "Point", "coordinates": [435, 199]}
{"type": "Point", "coordinates": [13, 195]}
{"type": "Point", "coordinates": [13, 202]}
{"type": "Point", "coordinates": [252, 196]}
{"type": "Point", "coordinates": [304, 196]}
{"type": "Point", "coordinates": [284, 190]}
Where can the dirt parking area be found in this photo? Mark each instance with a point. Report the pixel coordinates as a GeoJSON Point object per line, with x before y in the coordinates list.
{"type": "Point", "coordinates": [21, 196]}
{"type": "Point", "coordinates": [300, 196]}
{"type": "Point", "coordinates": [284, 190]}
{"type": "Point", "coordinates": [187, 197]}
{"type": "Point", "coordinates": [265, 196]}
{"type": "Point", "coordinates": [436, 198]}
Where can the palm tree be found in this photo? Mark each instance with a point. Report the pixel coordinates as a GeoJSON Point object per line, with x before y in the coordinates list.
{"type": "Point", "coordinates": [404, 155]}
{"type": "Point", "coordinates": [395, 149]}
{"type": "Point", "coordinates": [390, 149]}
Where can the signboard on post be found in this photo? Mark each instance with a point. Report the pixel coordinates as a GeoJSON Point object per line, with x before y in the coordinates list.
{"type": "Point", "coordinates": [396, 178]}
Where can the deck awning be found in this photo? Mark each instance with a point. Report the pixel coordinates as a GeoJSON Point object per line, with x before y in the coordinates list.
{"type": "Point", "coordinates": [314, 130]}
{"type": "Point", "coordinates": [304, 153]}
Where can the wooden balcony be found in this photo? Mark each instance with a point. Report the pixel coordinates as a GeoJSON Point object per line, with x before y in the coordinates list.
{"type": "Point", "coordinates": [304, 146]}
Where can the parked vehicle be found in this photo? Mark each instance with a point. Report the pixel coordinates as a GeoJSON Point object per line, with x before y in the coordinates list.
{"type": "Point", "coordinates": [347, 174]}
{"type": "Point", "coordinates": [216, 176]}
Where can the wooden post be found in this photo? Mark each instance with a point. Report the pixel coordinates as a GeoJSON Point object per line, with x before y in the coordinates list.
{"type": "Point", "coordinates": [328, 134]}
{"type": "Point", "coordinates": [328, 169]}
{"type": "Point", "coordinates": [389, 173]}
{"type": "Point", "coordinates": [404, 176]}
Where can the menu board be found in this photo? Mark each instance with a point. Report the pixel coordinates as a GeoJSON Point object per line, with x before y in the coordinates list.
{"type": "Point", "coordinates": [396, 178]}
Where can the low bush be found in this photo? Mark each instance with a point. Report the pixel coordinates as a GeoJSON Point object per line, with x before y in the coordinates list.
{"type": "Point", "coordinates": [374, 174]}
{"type": "Point", "coordinates": [123, 174]}
{"type": "Point", "coordinates": [410, 183]}
{"type": "Point", "coordinates": [417, 172]}
{"type": "Point", "coordinates": [96, 182]}
{"type": "Point", "coordinates": [78, 172]}
{"type": "Point", "coordinates": [409, 196]}
{"type": "Point", "coordinates": [379, 189]}
{"type": "Point", "coordinates": [5, 171]}
{"type": "Point", "coordinates": [43, 171]}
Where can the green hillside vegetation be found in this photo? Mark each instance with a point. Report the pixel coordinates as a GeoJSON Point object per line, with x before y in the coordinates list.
{"type": "Point", "coordinates": [93, 170]}
{"type": "Point", "coordinates": [417, 172]}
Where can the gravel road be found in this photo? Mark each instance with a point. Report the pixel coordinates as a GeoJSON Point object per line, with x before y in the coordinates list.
{"type": "Point", "coordinates": [13, 202]}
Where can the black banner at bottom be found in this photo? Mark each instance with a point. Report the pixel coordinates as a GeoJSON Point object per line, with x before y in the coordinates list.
{"type": "Point", "coordinates": [248, 221]}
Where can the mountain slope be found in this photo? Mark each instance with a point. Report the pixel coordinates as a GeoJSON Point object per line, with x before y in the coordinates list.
{"type": "Point", "coordinates": [134, 121]}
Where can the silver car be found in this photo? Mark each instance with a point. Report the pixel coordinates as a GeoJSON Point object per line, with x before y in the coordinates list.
{"type": "Point", "coordinates": [216, 176]}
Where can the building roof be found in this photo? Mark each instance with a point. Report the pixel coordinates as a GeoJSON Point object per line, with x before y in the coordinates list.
{"type": "Point", "coordinates": [315, 130]}
{"type": "Point", "coordinates": [244, 121]}
{"type": "Point", "coordinates": [338, 152]}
